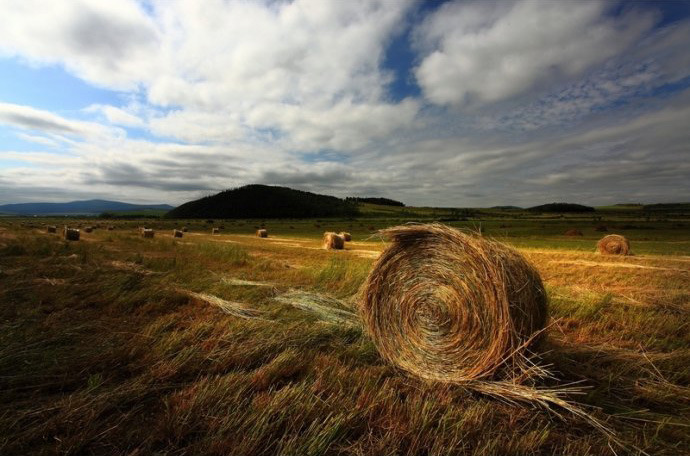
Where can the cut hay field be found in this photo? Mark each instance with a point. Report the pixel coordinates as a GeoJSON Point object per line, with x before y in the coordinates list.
{"type": "Point", "coordinates": [232, 344]}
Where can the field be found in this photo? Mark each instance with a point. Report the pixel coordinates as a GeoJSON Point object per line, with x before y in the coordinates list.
{"type": "Point", "coordinates": [235, 345]}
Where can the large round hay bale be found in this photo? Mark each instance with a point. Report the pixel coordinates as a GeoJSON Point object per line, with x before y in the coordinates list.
{"type": "Point", "coordinates": [177, 233]}
{"type": "Point", "coordinates": [262, 233]}
{"type": "Point", "coordinates": [333, 241]}
{"type": "Point", "coordinates": [450, 306]}
{"type": "Point", "coordinates": [573, 232]}
{"type": "Point", "coordinates": [346, 236]}
{"type": "Point", "coordinates": [147, 233]}
{"type": "Point", "coordinates": [613, 244]}
{"type": "Point", "coordinates": [71, 234]}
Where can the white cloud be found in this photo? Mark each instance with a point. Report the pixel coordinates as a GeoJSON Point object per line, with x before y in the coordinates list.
{"type": "Point", "coordinates": [479, 53]}
{"type": "Point", "coordinates": [32, 119]}
{"type": "Point", "coordinates": [296, 93]}
{"type": "Point", "coordinates": [116, 116]}
{"type": "Point", "coordinates": [111, 44]}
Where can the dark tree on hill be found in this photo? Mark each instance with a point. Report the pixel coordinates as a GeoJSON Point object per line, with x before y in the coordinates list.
{"type": "Point", "coordinates": [561, 208]}
{"type": "Point", "coordinates": [264, 201]}
{"type": "Point", "coordinates": [381, 201]}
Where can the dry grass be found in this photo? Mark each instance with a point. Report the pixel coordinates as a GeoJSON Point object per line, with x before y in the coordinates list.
{"type": "Point", "coordinates": [98, 359]}
{"type": "Point", "coordinates": [325, 307]}
{"type": "Point", "coordinates": [236, 309]}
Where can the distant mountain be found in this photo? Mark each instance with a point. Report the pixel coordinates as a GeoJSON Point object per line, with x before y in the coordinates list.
{"type": "Point", "coordinates": [90, 207]}
{"type": "Point", "coordinates": [264, 201]}
{"type": "Point", "coordinates": [561, 207]}
{"type": "Point", "coordinates": [668, 207]}
{"type": "Point", "coordinates": [375, 200]}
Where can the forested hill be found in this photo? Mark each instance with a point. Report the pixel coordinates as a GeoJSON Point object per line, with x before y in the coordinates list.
{"type": "Point", "coordinates": [561, 208]}
{"type": "Point", "coordinates": [264, 201]}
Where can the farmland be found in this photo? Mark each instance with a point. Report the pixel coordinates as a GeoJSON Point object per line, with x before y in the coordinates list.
{"type": "Point", "coordinates": [116, 344]}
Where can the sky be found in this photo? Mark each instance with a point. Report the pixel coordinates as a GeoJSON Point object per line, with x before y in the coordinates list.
{"type": "Point", "coordinates": [453, 104]}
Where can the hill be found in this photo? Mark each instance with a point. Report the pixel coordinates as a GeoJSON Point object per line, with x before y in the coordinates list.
{"type": "Point", "coordinates": [376, 200]}
{"type": "Point", "coordinates": [561, 208]}
{"type": "Point", "coordinates": [89, 207]}
{"type": "Point", "coordinates": [264, 201]}
{"type": "Point", "coordinates": [668, 207]}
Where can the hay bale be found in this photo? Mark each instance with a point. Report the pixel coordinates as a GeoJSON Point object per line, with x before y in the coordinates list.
{"type": "Point", "coordinates": [185, 229]}
{"type": "Point", "coordinates": [147, 233]}
{"type": "Point", "coordinates": [111, 228]}
{"type": "Point", "coordinates": [573, 232]}
{"type": "Point", "coordinates": [71, 234]}
{"type": "Point", "coordinates": [263, 233]}
{"type": "Point", "coordinates": [613, 244]}
{"type": "Point", "coordinates": [51, 229]}
{"type": "Point", "coordinates": [88, 229]}
{"type": "Point", "coordinates": [450, 306]}
{"type": "Point", "coordinates": [333, 241]}
{"type": "Point", "coordinates": [215, 231]}
{"type": "Point", "coordinates": [346, 236]}
{"type": "Point", "coordinates": [177, 233]}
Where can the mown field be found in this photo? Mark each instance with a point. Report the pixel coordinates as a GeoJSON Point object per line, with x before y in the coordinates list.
{"type": "Point", "coordinates": [231, 344]}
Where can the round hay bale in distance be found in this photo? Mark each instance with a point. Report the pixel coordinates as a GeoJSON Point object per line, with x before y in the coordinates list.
{"type": "Point", "coordinates": [333, 241]}
{"type": "Point", "coordinates": [346, 236]}
{"type": "Point", "coordinates": [215, 231]}
{"type": "Point", "coordinates": [147, 233]}
{"type": "Point", "coordinates": [613, 244]}
{"type": "Point", "coordinates": [71, 234]}
{"type": "Point", "coordinates": [51, 229]}
{"type": "Point", "coordinates": [262, 233]}
{"type": "Point", "coordinates": [449, 306]}
{"type": "Point", "coordinates": [88, 229]}
{"type": "Point", "coordinates": [177, 233]}
{"type": "Point", "coordinates": [185, 229]}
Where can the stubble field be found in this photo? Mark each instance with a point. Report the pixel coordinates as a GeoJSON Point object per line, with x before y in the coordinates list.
{"type": "Point", "coordinates": [232, 344]}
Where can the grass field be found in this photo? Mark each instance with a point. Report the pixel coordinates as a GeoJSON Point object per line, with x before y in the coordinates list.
{"type": "Point", "coordinates": [231, 344]}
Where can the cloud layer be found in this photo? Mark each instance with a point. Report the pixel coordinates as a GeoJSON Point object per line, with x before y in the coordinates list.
{"type": "Point", "coordinates": [520, 102]}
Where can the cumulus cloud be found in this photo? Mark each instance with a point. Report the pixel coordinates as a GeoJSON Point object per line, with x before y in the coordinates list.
{"type": "Point", "coordinates": [111, 44]}
{"type": "Point", "coordinates": [521, 101]}
{"type": "Point", "coordinates": [482, 52]}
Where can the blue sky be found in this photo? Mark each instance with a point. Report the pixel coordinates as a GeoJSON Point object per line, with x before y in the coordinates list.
{"type": "Point", "coordinates": [446, 103]}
